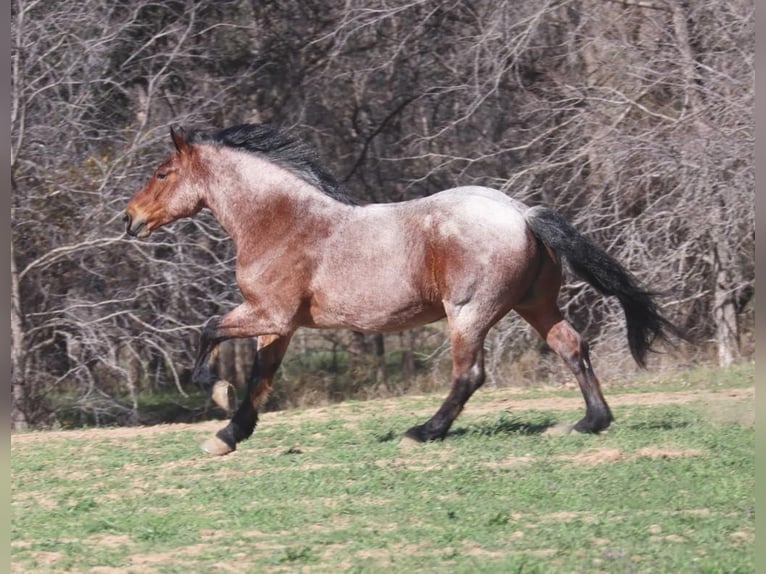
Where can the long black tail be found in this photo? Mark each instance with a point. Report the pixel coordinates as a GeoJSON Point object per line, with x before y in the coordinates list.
{"type": "Point", "coordinates": [590, 262]}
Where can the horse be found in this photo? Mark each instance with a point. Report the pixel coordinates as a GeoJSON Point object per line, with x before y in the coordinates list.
{"type": "Point", "coordinates": [308, 255]}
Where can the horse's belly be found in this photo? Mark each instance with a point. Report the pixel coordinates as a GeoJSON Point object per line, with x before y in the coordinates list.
{"type": "Point", "coordinates": [373, 313]}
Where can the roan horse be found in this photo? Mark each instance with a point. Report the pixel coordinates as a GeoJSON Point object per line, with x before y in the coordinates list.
{"type": "Point", "coordinates": [308, 256]}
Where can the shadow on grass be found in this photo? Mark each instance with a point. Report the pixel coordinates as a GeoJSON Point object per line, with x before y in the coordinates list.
{"type": "Point", "coordinates": [531, 423]}
{"type": "Point", "coordinates": [656, 425]}
{"type": "Point", "coordinates": [504, 425]}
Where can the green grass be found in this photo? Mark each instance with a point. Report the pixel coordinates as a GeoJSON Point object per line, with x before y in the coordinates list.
{"type": "Point", "coordinates": [670, 488]}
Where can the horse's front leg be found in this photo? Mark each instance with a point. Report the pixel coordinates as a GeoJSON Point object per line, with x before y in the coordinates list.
{"type": "Point", "coordinates": [271, 350]}
{"type": "Point", "coordinates": [245, 320]}
{"type": "Point", "coordinates": [211, 337]}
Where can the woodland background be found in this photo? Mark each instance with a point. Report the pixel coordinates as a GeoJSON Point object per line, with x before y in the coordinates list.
{"type": "Point", "coordinates": [633, 117]}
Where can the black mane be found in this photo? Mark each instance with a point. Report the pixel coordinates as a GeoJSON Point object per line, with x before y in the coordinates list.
{"type": "Point", "coordinates": [281, 147]}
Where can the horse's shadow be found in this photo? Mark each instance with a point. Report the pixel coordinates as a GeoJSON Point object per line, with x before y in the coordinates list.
{"type": "Point", "coordinates": [658, 424]}
{"type": "Point", "coordinates": [543, 423]}
{"type": "Point", "coordinates": [506, 425]}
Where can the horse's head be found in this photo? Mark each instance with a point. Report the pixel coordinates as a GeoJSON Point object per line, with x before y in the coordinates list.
{"type": "Point", "coordinates": [173, 192]}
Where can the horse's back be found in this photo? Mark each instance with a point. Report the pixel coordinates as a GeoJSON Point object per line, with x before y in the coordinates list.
{"type": "Point", "coordinates": [391, 266]}
{"type": "Point", "coordinates": [474, 192]}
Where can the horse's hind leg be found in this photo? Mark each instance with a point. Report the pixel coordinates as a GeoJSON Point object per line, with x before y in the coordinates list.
{"type": "Point", "coordinates": [569, 345]}
{"type": "Point", "coordinates": [271, 350]}
{"type": "Point", "coordinates": [467, 376]}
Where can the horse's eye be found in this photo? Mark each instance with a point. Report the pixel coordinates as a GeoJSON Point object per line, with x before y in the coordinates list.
{"type": "Point", "coordinates": [162, 175]}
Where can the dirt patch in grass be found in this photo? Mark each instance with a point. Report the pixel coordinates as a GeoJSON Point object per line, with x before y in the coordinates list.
{"type": "Point", "coordinates": [473, 549]}
{"type": "Point", "coordinates": [110, 540]}
{"type": "Point", "coordinates": [47, 558]}
{"type": "Point", "coordinates": [152, 558]}
{"type": "Point", "coordinates": [745, 536]}
{"type": "Point", "coordinates": [382, 556]}
{"type": "Point", "coordinates": [606, 455]}
{"type": "Point", "coordinates": [33, 497]}
{"type": "Point", "coordinates": [510, 462]}
{"type": "Point", "coordinates": [111, 432]}
{"type": "Point", "coordinates": [43, 559]}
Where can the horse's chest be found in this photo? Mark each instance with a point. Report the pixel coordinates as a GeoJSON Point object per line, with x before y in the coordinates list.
{"type": "Point", "coordinates": [273, 276]}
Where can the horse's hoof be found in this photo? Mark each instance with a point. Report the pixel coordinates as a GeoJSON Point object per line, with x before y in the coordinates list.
{"type": "Point", "coordinates": [559, 429]}
{"type": "Point", "coordinates": [593, 426]}
{"type": "Point", "coordinates": [415, 434]}
{"type": "Point", "coordinates": [216, 447]}
{"type": "Point", "coordinates": [420, 433]}
{"type": "Point", "coordinates": [225, 395]}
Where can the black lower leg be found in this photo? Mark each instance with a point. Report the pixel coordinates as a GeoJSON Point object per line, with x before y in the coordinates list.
{"type": "Point", "coordinates": [598, 416]}
{"type": "Point", "coordinates": [437, 426]}
{"type": "Point", "coordinates": [241, 425]}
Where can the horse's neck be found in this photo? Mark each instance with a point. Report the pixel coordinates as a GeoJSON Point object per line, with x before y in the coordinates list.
{"type": "Point", "coordinates": [257, 202]}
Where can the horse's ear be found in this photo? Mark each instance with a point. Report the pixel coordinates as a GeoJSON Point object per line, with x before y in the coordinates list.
{"type": "Point", "coordinates": [179, 138]}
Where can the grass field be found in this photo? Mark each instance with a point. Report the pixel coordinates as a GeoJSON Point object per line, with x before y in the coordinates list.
{"type": "Point", "coordinates": [669, 488]}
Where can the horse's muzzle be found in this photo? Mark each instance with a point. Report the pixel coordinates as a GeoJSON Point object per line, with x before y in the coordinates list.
{"type": "Point", "coordinates": [135, 228]}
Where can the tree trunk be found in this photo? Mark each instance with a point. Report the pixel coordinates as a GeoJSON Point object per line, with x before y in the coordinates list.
{"type": "Point", "coordinates": [380, 358]}
{"type": "Point", "coordinates": [408, 342]}
{"type": "Point", "coordinates": [724, 293]}
{"type": "Point", "coordinates": [227, 367]}
{"type": "Point", "coordinates": [19, 391]}
{"type": "Point", "coordinates": [358, 344]}
{"type": "Point", "coordinates": [725, 310]}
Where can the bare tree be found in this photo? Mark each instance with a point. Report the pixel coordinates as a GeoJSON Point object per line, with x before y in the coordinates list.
{"type": "Point", "coordinates": [634, 118]}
